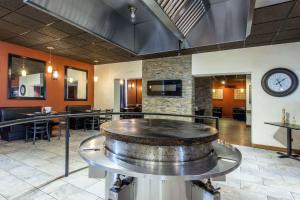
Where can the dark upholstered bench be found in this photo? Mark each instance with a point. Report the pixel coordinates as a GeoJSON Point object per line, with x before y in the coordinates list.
{"type": "Point", "coordinates": [77, 122]}
{"type": "Point", "coordinates": [15, 132]}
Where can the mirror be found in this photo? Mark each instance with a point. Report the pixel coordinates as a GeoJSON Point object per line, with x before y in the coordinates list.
{"type": "Point", "coordinates": [26, 78]}
{"type": "Point", "coordinates": [76, 81]}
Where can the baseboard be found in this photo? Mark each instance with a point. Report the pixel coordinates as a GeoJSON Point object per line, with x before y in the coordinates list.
{"type": "Point", "coordinates": [272, 148]}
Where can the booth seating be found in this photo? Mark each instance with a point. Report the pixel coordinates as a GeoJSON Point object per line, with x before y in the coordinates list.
{"type": "Point", "coordinates": [239, 114]}
{"type": "Point", "coordinates": [77, 122]}
{"type": "Point", "coordinates": [217, 112]}
{"type": "Point", "coordinates": [15, 132]}
{"type": "Point", "coordinates": [199, 112]}
{"type": "Point", "coordinates": [132, 109]}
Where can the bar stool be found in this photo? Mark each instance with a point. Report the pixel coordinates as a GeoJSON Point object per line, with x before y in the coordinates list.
{"type": "Point", "coordinates": [62, 124]}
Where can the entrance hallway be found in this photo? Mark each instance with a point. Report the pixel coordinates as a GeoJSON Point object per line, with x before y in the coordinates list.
{"type": "Point", "coordinates": [235, 132]}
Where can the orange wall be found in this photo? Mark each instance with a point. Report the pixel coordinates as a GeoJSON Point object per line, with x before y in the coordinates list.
{"type": "Point", "coordinates": [228, 102]}
{"type": "Point", "coordinates": [134, 95]}
{"type": "Point", "coordinates": [54, 88]}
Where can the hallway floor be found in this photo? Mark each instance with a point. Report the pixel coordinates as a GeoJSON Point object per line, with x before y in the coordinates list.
{"type": "Point", "coordinates": [235, 132]}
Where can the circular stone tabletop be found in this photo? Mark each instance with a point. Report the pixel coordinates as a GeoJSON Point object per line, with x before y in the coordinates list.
{"type": "Point", "coordinates": [160, 132]}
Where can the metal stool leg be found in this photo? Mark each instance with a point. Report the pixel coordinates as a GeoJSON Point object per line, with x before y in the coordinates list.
{"type": "Point", "coordinates": [34, 133]}
{"type": "Point", "coordinates": [59, 132]}
{"type": "Point", "coordinates": [48, 132]}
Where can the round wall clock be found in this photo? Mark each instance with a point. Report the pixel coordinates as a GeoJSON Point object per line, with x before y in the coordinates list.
{"type": "Point", "coordinates": [22, 90]}
{"type": "Point", "coordinates": [279, 82]}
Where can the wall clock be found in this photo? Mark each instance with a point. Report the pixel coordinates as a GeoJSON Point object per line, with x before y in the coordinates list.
{"type": "Point", "coordinates": [279, 82]}
{"type": "Point", "coordinates": [23, 90]}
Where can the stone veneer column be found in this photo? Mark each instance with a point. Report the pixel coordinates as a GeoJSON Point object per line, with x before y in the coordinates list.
{"type": "Point", "coordinates": [203, 94]}
{"type": "Point", "coordinates": [171, 68]}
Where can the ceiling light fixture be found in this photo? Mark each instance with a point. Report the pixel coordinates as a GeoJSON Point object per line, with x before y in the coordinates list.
{"type": "Point", "coordinates": [49, 67]}
{"type": "Point", "coordinates": [132, 9]}
{"type": "Point", "coordinates": [223, 82]}
{"type": "Point", "coordinates": [121, 82]}
{"type": "Point", "coordinates": [71, 80]}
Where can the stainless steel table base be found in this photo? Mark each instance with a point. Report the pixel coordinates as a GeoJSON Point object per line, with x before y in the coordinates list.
{"type": "Point", "coordinates": [147, 189]}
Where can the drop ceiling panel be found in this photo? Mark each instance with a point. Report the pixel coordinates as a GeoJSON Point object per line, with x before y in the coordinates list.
{"type": "Point", "coordinates": [11, 4]}
{"type": "Point", "coordinates": [21, 20]}
{"type": "Point", "coordinates": [3, 11]}
{"type": "Point", "coordinates": [264, 3]}
{"type": "Point", "coordinates": [35, 14]}
{"type": "Point", "coordinates": [272, 13]}
{"type": "Point", "coordinates": [296, 10]}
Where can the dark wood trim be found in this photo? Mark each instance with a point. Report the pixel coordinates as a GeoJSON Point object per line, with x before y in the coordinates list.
{"type": "Point", "coordinates": [272, 148]}
{"type": "Point", "coordinates": [10, 56]}
{"type": "Point", "coordinates": [66, 81]}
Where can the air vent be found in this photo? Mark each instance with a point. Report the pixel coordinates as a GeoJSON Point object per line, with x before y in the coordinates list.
{"type": "Point", "coordinates": [184, 13]}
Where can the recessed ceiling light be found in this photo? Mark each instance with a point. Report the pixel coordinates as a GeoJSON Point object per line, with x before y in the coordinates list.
{"type": "Point", "coordinates": [96, 61]}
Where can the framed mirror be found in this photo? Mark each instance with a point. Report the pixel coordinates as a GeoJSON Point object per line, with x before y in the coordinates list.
{"type": "Point", "coordinates": [26, 78]}
{"type": "Point", "coordinates": [76, 84]}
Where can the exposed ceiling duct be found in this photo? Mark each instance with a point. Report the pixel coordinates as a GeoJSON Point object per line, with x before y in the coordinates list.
{"type": "Point", "coordinates": [184, 13]}
{"type": "Point", "coordinates": [158, 25]}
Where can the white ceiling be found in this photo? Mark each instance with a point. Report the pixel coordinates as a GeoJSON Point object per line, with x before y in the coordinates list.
{"type": "Point", "coordinates": [263, 3]}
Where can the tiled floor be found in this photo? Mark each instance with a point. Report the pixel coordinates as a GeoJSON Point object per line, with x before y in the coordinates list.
{"type": "Point", "coordinates": [24, 169]}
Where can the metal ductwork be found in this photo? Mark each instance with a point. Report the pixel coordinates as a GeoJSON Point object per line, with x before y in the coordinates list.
{"type": "Point", "coordinates": [184, 13]}
{"type": "Point", "coordinates": [159, 25]}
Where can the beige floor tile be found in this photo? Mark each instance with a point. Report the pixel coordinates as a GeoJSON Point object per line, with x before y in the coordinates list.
{"type": "Point", "coordinates": [98, 189]}
{"type": "Point", "coordinates": [296, 196]}
{"type": "Point", "coordinates": [53, 186]}
{"type": "Point", "coordinates": [70, 192]}
{"type": "Point", "coordinates": [35, 195]}
{"type": "Point", "coordinates": [12, 186]}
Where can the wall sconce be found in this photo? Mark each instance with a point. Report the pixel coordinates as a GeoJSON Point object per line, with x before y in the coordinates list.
{"type": "Point", "coordinates": [50, 67]}
{"type": "Point", "coordinates": [242, 90]}
{"type": "Point", "coordinates": [132, 85]}
{"type": "Point", "coordinates": [55, 75]}
{"type": "Point", "coordinates": [121, 81]}
{"type": "Point", "coordinates": [95, 78]}
{"type": "Point", "coordinates": [223, 82]}
{"type": "Point", "coordinates": [71, 80]}
{"type": "Point", "coordinates": [213, 90]}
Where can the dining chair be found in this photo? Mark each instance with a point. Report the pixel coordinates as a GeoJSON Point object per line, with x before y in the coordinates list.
{"type": "Point", "coordinates": [38, 128]}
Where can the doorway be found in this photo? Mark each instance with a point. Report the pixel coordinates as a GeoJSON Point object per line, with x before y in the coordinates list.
{"type": "Point", "coordinates": [229, 98]}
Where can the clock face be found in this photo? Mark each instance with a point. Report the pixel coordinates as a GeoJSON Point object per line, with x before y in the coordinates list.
{"type": "Point", "coordinates": [280, 82]}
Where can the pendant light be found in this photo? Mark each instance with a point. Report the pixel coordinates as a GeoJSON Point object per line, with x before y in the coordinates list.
{"type": "Point", "coordinates": [23, 71]}
{"type": "Point", "coordinates": [50, 67]}
{"type": "Point", "coordinates": [55, 75]}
